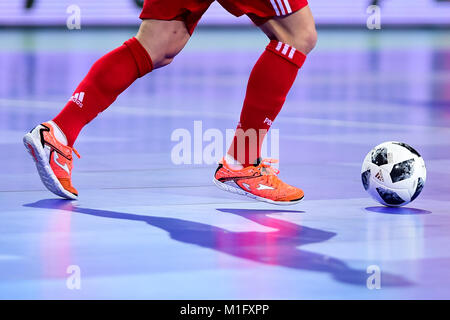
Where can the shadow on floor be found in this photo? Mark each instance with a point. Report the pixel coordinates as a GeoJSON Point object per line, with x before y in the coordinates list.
{"type": "Point", "coordinates": [397, 210]}
{"type": "Point", "coordinates": [278, 247]}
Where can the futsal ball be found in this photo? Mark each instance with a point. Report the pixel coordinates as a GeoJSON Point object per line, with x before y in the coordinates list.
{"type": "Point", "coordinates": [393, 173]}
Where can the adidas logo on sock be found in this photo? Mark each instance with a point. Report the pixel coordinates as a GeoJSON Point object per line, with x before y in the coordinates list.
{"type": "Point", "coordinates": [78, 99]}
{"type": "Point", "coordinates": [285, 49]}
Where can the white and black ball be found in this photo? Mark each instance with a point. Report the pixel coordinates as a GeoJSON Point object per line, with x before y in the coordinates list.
{"type": "Point", "coordinates": [393, 173]}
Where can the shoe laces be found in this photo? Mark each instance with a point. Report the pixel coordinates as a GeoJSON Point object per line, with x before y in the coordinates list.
{"type": "Point", "coordinates": [76, 152]}
{"type": "Point", "coordinates": [270, 172]}
{"type": "Point", "coordinates": [267, 168]}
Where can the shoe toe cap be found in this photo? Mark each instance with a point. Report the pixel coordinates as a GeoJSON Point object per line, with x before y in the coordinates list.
{"type": "Point", "coordinates": [293, 194]}
{"type": "Point", "coordinates": [67, 185]}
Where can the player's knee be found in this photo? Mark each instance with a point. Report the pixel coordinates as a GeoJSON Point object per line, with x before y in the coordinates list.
{"type": "Point", "coordinates": [305, 40]}
{"type": "Point", "coordinates": [163, 40]}
{"type": "Point", "coordinates": [164, 62]}
{"type": "Point", "coordinates": [164, 53]}
{"type": "Point", "coordinates": [172, 51]}
{"type": "Point", "coordinates": [166, 56]}
{"type": "Point", "coordinates": [310, 40]}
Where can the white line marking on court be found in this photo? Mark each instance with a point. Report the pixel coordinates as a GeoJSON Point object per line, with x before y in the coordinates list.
{"type": "Point", "coordinates": [154, 111]}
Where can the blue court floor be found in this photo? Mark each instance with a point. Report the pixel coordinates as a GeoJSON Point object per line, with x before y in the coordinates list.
{"type": "Point", "coordinates": [145, 227]}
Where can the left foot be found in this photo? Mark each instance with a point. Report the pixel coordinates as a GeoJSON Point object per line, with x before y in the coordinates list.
{"type": "Point", "coordinates": [53, 160]}
{"type": "Point", "coordinates": [258, 182]}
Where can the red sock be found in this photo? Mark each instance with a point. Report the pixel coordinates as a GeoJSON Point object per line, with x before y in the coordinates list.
{"type": "Point", "coordinates": [269, 83]}
{"type": "Point", "coordinates": [108, 77]}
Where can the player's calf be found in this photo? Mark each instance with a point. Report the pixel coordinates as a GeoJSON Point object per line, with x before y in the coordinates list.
{"type": "Point", "coordinates": [156, 44]}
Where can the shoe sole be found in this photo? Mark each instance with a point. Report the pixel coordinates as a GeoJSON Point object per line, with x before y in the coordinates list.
{"type": "Point", "coordinates": [48, 178]}
{"type": "Point", "coordinates": [229, 188]}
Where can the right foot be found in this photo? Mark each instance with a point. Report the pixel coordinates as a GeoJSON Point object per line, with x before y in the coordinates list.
{"type": "Point", "coordinates": [53, 159]}
{"type": "Point", "coordinates": [259, 182]}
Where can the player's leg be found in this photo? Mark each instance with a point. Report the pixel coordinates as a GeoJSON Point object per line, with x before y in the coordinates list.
{"type": "Point", "coordinates": [51, 143]}
{"type": "Point", "coordinates": [292, 37]}
{"type": "Point", "coordinates": [297, 30]}
{"type": "Point", "coordinates": [163, 40]}
{"type": "Point", "coordinates": [155, 45]}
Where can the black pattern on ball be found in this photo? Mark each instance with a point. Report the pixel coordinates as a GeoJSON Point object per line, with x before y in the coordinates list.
{"type": "Point", "coordinates": [402, 170]}
{"type": "Point", "coordinates": [390, 197]}
{"type": "Point", "coordinates": [407, 146]}
{"type": "Point", "coordinates": [418, 189]}
{"type": "Point", "coordinates": [379, 156]}
{"type": "Point", "coordinates": [365, 179]}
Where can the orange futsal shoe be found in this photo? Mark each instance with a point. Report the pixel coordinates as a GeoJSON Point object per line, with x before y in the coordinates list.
{"type": "Point", "coordinates": [259, 182]}
{"type": "Point", "coordinates": [53, 159]}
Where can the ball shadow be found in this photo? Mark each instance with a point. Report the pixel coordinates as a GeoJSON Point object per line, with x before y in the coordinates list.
{"type": "Point", "coordinates": [397, 210]}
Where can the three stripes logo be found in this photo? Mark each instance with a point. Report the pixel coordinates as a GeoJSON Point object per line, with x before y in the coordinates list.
{"type": "Point", "coordinates": [285, 49]}
{"type": "Point", "coordinates": [281, 7]}
{"type": "Point", "coordinates": [78, 99]}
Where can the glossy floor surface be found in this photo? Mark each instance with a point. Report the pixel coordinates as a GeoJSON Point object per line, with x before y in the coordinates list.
{"type": "Point", "coordinates": [147, 227]}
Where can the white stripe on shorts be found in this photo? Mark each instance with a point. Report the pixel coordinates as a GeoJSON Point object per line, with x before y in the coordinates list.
{"type": "Point", "coordinates": [288, 7]}
{"type": "Point", "coordinates": [283, 12]}
{"type": "Point", "coordinates": [277, 12]}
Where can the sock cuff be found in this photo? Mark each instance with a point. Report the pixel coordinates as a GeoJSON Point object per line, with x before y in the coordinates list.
{"type": "Point", "coordinates": [287, 52]}
{"type": "Point", "coordinates": [140, 55]}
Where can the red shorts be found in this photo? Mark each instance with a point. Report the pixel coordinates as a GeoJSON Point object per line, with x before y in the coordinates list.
{"type": "Point", "coordinates": [190, 11]}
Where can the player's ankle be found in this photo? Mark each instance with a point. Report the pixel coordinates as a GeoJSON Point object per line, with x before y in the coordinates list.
{"type": "Point", "coordinates": [59, 134]}
{"type": "Point", "coordinates": [233, 163]}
